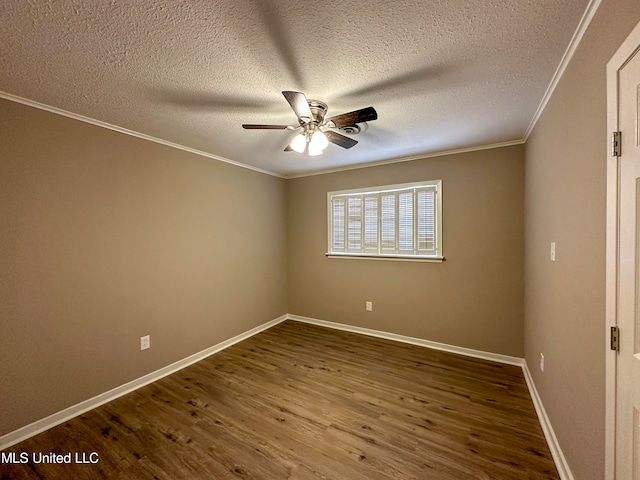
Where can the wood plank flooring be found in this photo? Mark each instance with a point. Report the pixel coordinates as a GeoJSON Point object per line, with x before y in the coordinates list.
{"type": "Point", "coordinates": [301, 402]}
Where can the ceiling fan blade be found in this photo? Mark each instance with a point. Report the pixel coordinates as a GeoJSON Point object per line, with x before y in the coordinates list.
{"type": "Point", "coordinates": [341, 140]}
{"type": "Point", "coordinates": [299, 104]}
{"type": "Point", "coordinates": [358, 116]}
{"type": "Point", "coordinates": [251, 126]}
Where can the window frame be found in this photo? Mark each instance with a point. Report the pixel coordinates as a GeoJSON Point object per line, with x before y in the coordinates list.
{"type": "Point", "coordinates": [367, 253]}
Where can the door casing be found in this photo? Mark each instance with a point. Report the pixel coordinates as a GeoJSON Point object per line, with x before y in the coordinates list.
{"type": "Point", "coordinates": [619, 59]}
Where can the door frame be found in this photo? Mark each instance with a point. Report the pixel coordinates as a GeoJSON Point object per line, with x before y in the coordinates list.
{"type": "Point", "coordinates": [630, 45]}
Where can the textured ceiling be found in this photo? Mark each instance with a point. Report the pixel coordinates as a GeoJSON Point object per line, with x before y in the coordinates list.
{"type": "Point", "coordinates": [442, 74]}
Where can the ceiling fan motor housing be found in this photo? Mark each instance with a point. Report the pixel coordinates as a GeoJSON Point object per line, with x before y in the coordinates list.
{"type": "Point", "coordinates": [318, 110]}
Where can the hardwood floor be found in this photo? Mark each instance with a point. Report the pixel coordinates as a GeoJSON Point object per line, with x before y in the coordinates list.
{"type": "Point", "coordinates": [302, 402]}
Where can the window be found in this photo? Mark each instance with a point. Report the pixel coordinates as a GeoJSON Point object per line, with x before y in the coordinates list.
{"type": "Point", "coordinates": [395, 221]}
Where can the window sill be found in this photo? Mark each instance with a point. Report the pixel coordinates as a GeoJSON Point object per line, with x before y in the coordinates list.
{"type": "Point", "coordinates": [397, 258]}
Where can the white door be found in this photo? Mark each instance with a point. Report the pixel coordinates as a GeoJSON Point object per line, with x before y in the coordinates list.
{"type": "Point", "coordinates": [628, 362]}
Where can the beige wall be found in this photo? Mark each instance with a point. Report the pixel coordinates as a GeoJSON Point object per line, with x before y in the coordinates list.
{"type": "Point", "coordinates": [104, 238]}
{"type": "Point", "coordinates": [566, 158]}
{"type": "Point", "coordinates": [473, 300]}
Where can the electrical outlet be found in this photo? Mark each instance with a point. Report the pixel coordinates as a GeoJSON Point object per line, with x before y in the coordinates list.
{"type": "Point", "coordinates": [368, 306]}
{"type": "Point", "coordinates": [145, 342]}
{"type": "Point", "coordinates": [552, 252]}
{"type": "Point", "coordinates": [542, 363]}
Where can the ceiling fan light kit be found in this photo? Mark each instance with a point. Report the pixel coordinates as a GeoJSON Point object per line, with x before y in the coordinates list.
{"type": "Point", "coordinates": [317, 142]}
{"type": "Point", "coordinates": [316, 131]}
{"type": "Point", "coordinates": [319, 139]}
{"type": "Point", "coordinates": [299, 143]}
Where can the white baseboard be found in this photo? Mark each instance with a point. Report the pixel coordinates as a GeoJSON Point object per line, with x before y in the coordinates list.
{"type": "Point", "coordinates": [469, 352]}
{"type": "Point", "coordinates": [545, 423]}
{"type": "Point", "coordinates": [40, 426]}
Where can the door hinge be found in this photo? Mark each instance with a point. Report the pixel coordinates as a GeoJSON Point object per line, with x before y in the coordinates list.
{"type": "Point", "coordinates": [615, 338]}
{"type": "Point", "coordinates": [616, 144]}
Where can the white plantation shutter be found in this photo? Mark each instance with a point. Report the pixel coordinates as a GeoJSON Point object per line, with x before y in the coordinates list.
{"type": "Point", "coordinates": [405, 222]}
{"type": "Point", "coordinates": [388, 223]}
{"type": "Point", "coordinates": [371, 223]}
{"type": "Point", "coordinates": [398, 220]}
{"type": "Point", "coordinates": [338, 236]}
{"type": "Point", "coordinates": [354, 227]}
{"type": "Point", "coordinates": [426, 220]}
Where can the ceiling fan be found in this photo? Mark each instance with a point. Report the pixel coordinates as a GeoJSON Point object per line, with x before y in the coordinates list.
{"type": "Point", "coordinates": [315, 128]}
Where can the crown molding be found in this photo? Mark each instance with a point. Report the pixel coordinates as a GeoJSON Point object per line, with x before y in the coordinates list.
{"type": "Point", "coordinates": [408, 159]}
{"type": "Point", "coordinates": [126, 131]}
{"type": "Point", "coordinates": [585, 21]}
